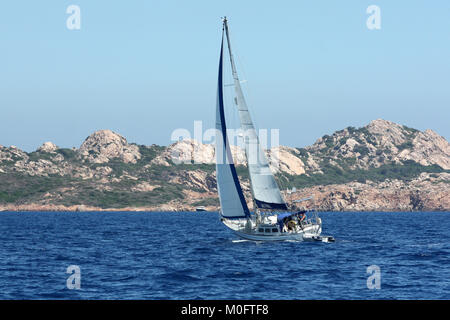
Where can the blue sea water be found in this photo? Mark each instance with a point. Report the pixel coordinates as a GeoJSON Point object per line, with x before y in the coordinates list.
{"type": "Point", "coordinates": [155, 255]}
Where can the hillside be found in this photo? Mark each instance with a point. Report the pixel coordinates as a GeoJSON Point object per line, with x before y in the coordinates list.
{"type": "Point", "coordinates": [381, 166]}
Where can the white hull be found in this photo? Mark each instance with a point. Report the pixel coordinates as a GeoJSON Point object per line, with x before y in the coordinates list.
{"type": "Point", "coordinates": [310, 232]}
{"type": "Point", "coordinates": [286, 237]}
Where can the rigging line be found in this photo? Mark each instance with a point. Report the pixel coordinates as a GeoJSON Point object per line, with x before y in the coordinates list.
{"type": "Point", "coordinates": [240, 65]}
{"type": "Point", "coordinates": [279, 180]}
{"type": "Point", "coordinates": [231, 113]}
{"type": "Point", "coordinates": [249, 97]}
{"type": "Point", "coordinates": [282, 186]}
{"type": "Point", "coordinates": [248, 92]}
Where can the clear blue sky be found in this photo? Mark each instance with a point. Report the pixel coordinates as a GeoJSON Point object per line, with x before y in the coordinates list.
{"type": "Point", "coordinates": [145, 68]}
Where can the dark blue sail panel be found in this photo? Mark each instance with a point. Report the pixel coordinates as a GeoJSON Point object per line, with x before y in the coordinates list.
{"type": "Point", "coordinates": [267, 205]}
{"type": "Point", "coordinates": [230, 190]}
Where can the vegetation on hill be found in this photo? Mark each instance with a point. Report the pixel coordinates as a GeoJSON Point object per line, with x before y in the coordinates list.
{"type": "Point", "coordinates": [406, 171]}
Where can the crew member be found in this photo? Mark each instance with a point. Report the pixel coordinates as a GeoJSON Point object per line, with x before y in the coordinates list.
{"type": "Point", "coordinates": [301, 216]}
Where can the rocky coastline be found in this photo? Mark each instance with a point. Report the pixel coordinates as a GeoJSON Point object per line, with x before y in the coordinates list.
{"type": "Point", "coordinates": [382, 166]}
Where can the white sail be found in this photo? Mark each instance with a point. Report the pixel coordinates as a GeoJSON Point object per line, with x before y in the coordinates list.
{"type": "Point", "coordinates": [232, 201]}
{"type": "Point", "coordinates": [265, 189]}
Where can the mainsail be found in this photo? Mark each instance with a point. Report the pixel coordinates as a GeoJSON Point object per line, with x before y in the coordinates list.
{"type": "Point", "coordinates": [265, 189]}
{"type": "Point", "coordinates": [232, 201]}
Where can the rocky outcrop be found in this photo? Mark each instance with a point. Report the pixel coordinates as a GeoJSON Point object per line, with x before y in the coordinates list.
{"type": "Point", "coordinates": [390, 134]}
{"type": "Point", "coordinates": [196, 180]}
{"type": "Point", "coordinates": [286, 159]}
{"type": "Point", "coordinates": [105, 145]}
{"type": "Point", "coordinates": [190, 151]}
{"type": "Point", "coordinates": [428, 148]}
{"type": "Point", "coordinates": [144, 187]}
{"type": "Point", "coordinates": [380, 142]}
{"type": "Point", "coordinates": [49, 147]}
{"type": "Point", "coordinates": [12, 154]}
{"type": "Point", "coordinates": [429, 192]}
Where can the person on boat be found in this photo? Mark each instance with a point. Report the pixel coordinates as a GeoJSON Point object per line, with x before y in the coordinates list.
{"type": "Point", "coordinates": [301, 216]}
{"type": "Point", "coordinates": [291, 225]}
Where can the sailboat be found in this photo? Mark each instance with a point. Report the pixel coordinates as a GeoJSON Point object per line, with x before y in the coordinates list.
{"type": "Point", "coordinates": [272, 219]}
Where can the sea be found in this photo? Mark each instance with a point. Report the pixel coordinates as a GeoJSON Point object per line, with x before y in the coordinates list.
{"type": "Point", "coordinates": [191, 255]}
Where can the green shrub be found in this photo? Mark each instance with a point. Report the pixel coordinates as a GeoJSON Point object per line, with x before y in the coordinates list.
{"type": "Point", "coordinates": [68, 154]}
{"type": "Point", "coordinates": [405, 145]}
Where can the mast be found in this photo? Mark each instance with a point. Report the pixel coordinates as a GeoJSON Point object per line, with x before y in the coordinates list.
{"type": "Point", "coordinates": [233, 66]}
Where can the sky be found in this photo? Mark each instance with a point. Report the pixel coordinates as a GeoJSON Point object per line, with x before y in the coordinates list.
{"type": "Point", "coordinates": [145, 68]}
